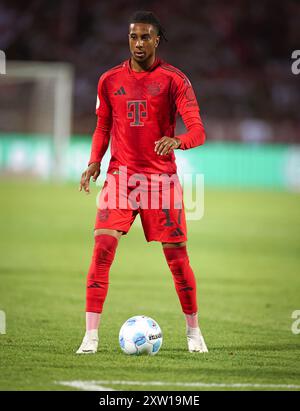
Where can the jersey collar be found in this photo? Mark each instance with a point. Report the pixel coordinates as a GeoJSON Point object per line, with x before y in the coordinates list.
{"type": "Point", "coordinates": [156, 63]}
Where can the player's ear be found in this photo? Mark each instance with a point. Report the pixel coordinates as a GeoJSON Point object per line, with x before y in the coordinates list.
{"type": "Point", "coordinates": [157, 41]}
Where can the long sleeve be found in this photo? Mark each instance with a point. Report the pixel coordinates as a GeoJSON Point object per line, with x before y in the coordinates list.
{"type": "Point", "coordinates": [101, 136]}
{"type": "Point", "coordinates": [187, 107]}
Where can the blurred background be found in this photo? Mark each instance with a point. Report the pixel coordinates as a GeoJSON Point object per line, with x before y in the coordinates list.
{"type": "Point", "coordinates": [237, 55]}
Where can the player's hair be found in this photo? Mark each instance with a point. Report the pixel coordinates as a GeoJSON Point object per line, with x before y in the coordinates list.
{"type": "Point", "coordinates": [148, 17]}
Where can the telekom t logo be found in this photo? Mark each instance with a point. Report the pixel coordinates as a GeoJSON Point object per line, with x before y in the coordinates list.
{"type": "Point", "coordinates": [137, 110]}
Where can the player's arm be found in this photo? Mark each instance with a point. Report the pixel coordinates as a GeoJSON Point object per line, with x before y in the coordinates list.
{"type": "Point", "coordinates": [188, 108]}
{"type": "Point", "coordinates": [100, 140]}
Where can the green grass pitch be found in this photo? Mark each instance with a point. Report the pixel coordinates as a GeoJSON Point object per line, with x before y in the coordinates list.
{"type": "Point", "coordinates": [246, 256]}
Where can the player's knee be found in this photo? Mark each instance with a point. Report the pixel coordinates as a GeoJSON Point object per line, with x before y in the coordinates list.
{"type": "Point", "coordinates": [106, 241]}
{"type": "Point", "coordinates": [103, 256]}
{"type": "Point", "coordinates": [105, 248]}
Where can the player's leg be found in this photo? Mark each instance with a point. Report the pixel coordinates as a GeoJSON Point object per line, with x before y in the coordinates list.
{"type": "Point", "coordinates": [168, 226]}
{"type": "Point", "coordinates": [106, 242]}
{"type": "Point", "coordinates": [111, 222]}
{"type": "Point", "coordinates": [185, 285]}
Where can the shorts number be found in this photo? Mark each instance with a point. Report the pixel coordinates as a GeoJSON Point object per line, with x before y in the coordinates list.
{"type": "Point", "coordinates": [169, 223]}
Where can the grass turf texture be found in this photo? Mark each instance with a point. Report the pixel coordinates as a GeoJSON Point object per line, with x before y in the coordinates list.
{"type": "Point", "coordinates": [245, 253]}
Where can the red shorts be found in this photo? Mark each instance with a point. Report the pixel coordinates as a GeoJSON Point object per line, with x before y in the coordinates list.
{"type": "Point", "coordinates": [161, 208]}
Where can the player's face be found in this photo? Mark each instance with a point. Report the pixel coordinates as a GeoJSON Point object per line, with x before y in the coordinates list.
{"type": "Point", "coordinates": [143, 40]}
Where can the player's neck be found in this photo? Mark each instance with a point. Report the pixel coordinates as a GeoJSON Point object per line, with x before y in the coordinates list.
{"type": "Point", "coordinates": [144, 66]}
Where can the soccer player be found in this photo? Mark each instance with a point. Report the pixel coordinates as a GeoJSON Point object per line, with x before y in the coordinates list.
{"type": "Point", "coordinates": [137, 103]}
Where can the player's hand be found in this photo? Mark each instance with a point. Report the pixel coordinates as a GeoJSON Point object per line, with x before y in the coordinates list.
{"type": "Point", "coordinates": [166, 144]}
{"type": "Point", "coordinates": [93, 171]}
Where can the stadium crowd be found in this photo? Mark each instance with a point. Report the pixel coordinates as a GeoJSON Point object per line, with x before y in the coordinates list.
{"type": "Point", "coordinates": [237, 55]}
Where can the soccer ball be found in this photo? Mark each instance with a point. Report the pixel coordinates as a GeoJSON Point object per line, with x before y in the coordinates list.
{"type": "Point", "coordinates": [140, 335]}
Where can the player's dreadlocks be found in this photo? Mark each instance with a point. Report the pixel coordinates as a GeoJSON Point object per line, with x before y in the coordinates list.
{"type": "Point", "coordinates": [149, 17]}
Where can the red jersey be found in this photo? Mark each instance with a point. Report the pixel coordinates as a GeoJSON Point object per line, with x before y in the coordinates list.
{"type": "Point", "coordinates": [136, 109]}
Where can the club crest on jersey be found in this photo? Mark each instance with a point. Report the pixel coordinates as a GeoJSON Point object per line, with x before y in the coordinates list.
{"type": "Point", "coordinates": [153, 88]}
{"type": "Point", "coordinates": [136, 111]}
{"type": "Point", "coordinates": [103, 214]}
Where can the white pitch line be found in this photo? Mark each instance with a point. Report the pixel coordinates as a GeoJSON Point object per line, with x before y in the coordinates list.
{"type": "Point", "coordinates": [96, 385]}
{"type": "Point", "coordinates": [85, 385]}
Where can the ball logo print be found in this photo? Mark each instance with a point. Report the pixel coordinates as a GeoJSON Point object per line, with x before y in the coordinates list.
{"type": "Point", "coordinates": [296, 324]}
{"type": "Point", "coordinates": [140, 335]}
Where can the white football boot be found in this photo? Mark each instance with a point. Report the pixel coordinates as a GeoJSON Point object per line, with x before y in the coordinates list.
{"type": "Point", "coordinates": [89, 343]}
{"type": "Point", "coordinates": [195, 340]}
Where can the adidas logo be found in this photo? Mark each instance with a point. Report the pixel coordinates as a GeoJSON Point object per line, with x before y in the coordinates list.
{"type": "Point", "coordinates": [119, 92]}
{"type": "Point", "coordinates": [94, 285]}
{"type": "Point", "coordinates": [176, 233]}
{"type": "Point", "coordinates": [186, 289]}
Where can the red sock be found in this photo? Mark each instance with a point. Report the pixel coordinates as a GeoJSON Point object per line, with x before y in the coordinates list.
{"type": "Point", "coordinates": [183, 276]}
{"type": "Point", "coordinates": [97, 279]}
